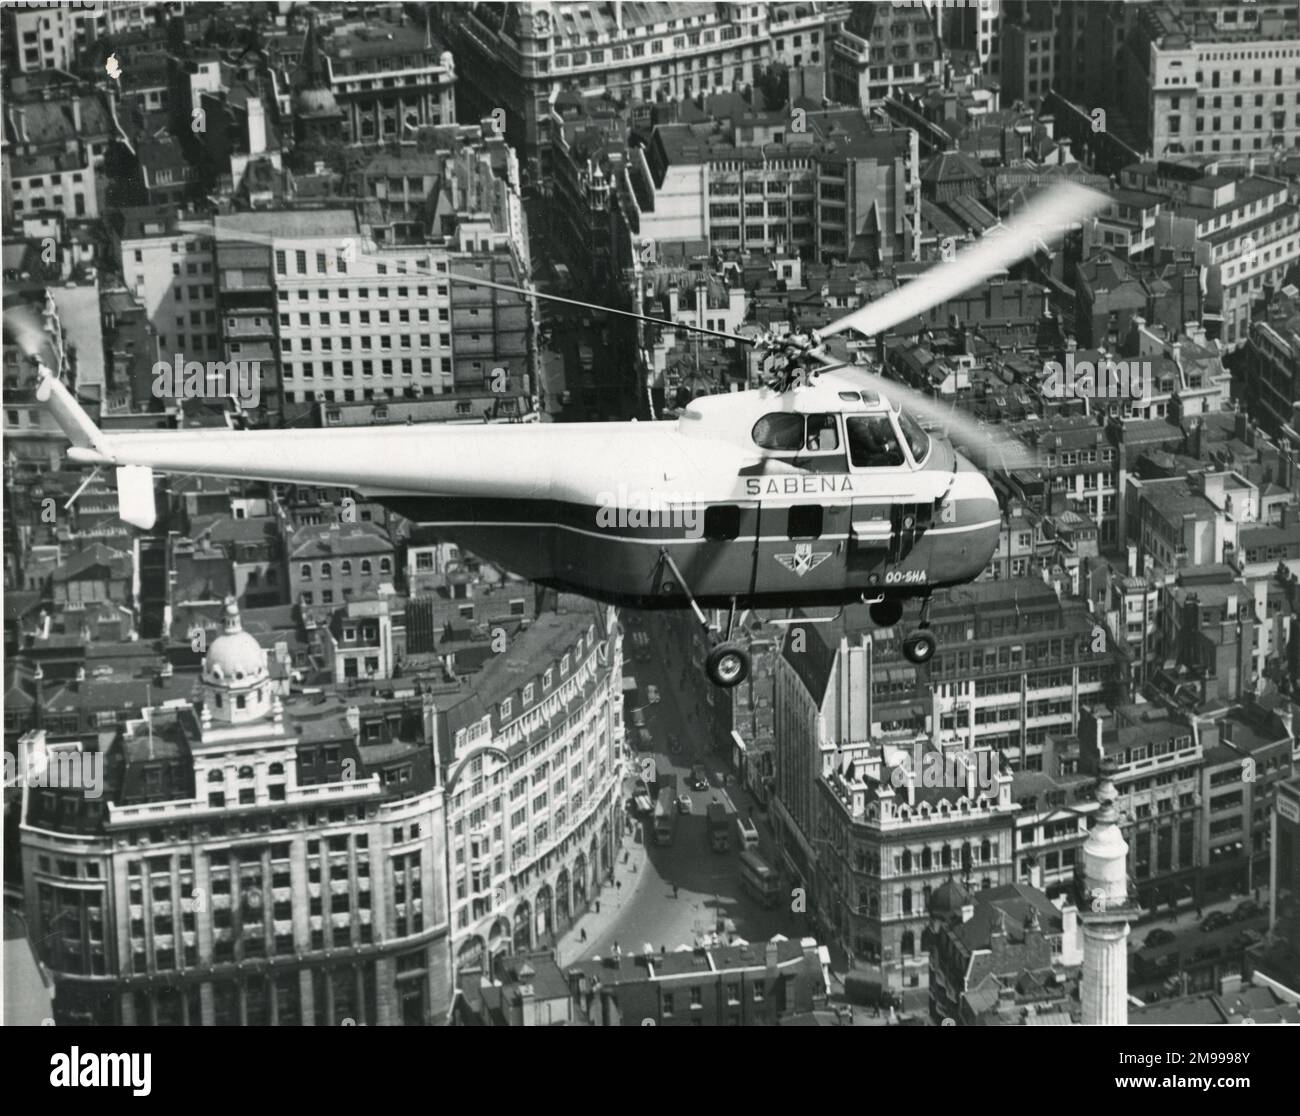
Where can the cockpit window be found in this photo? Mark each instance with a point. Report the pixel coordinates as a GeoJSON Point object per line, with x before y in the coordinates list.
{"type": "Point", "coordinates": [794, 432]}
{"type": "Point", "coordinates": [918, 441]}
{"type": "Point", "coordinates": [872, 442]}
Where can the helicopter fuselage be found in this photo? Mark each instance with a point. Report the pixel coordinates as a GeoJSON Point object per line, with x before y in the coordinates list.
{"type": "Point", "coordinates": [754, 525]}
{"type": "Point", "coordinates": [818, 495]}
{"type": "Point", "coordinates": [777, 540]}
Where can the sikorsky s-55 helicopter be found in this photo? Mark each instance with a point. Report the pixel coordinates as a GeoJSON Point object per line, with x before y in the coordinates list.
{"type": "Point", "coordinates": [821, 488]}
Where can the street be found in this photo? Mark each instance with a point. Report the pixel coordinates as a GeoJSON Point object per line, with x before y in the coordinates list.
{"type": "Point", "coordinates": [708, 882]}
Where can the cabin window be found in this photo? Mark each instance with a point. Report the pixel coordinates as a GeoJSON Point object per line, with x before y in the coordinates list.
{"type": "Point", "coordinates": [793, 433]}
{"type": "Point", "coordinates": [782, 431]}
{"type": "Point", "coordinates": [918, 441]}
{"type": "Point", "coordinates": [722, 522]}
{"type": "Point", "coordinates": [872, 442]}
{"type": "Point", "coordinates": [823, 434]}
{"type": "Point", "coordinates": [805, 521]}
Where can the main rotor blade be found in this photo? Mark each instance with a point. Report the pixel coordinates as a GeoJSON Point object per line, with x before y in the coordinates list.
{"type": "Point", "coordinates": [199, 229]}
{"type": "Point", "coordinates": [603, 309]}
{"type": "Point", "coordinates": [1043, 220]}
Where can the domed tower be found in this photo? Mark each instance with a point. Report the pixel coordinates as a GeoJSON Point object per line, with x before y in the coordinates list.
{"type": "Point", "coordinates": [1106, 911]}
{"type": "Point", "coordinates": [236, 683]}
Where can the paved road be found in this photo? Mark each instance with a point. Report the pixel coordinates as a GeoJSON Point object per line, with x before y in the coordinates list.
{"type": "Point", "coordinates": [708, 882]}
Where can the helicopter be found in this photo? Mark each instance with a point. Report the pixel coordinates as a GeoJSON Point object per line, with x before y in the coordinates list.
{"type": "Point", "coordinates": [819, 488]}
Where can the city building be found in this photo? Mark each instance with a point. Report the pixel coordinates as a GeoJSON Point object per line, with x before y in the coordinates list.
{"type": "Point", "coordinates": [976, 27]}
{"type": "Point", "coordinates": [1245, 232]}
{"type": "Point", "coordinates": [167, 261]}
{"type": "Point", "coordinates": [39, 38]}
{"type": "Point", "coordinates": [332, 564]}
{"type": "Point", "coordinates": [1223, 80]}
{"type": "Point", "coordinates": [1156, 760]}
{"type": "Point", "coordinates": [388, 79]}
{"type": "Point", "coordinates": [516, 59]}
{"type": "Point", "coordinates": [879, 50]}
{"type": "Point", "coordinates": [840, 188]}
{"type": "Point", "coordinates": [762, 984]}
{"type": "Point", "coordinates": [348, 322]}
{"type": "Point", "coordinates": [873, 817]}
{"type": "Point", "coordinates": [532, 748]}
{"type": "Point", "coordinates": [248, 863]}
{"type": "Point", "coordinates": [1006, 956]}
{"type": "Point", "coordinates": [1272, 374]}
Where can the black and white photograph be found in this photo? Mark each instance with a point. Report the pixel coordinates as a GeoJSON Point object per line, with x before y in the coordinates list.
{"type": "Point", "coordinates": [653, 514]}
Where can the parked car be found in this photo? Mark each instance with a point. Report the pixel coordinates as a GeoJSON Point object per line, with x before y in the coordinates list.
{"type": "Point", "coordinates": [652, 694]}
{"type": "Point", "coordinates": [683, 803]}
{"type": "Point", "coordinates": [1247, 908]}
{"type": "Point", "coordinates": [1215, 920]}
{"type": "Point", "coordinates": [1159, 937]}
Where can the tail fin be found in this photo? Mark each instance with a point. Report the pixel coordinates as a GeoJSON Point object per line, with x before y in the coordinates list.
{"type": "Point", "coordinates": [135, 494]}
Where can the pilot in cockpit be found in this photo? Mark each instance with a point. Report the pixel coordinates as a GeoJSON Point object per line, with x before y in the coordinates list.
{"type": "Point", "coordinates": [872, 442]}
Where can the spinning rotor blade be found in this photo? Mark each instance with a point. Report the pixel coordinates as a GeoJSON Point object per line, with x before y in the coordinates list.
{"type": "Point", "coordinates": [988, 447]}
{"type": "Point", "coordinates": [198, 229]}
{"type": "Point", "coordinates": [603, 309]}
{"type": "Point", "coordinates": [1044, 220]}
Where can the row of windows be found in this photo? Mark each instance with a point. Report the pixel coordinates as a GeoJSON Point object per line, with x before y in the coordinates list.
{"type": "Point", "coordinates": [365, 341]}
{"type": "Point", "coordinates": [324, 319]}
{"type": "Point", "coordinates": [325, 570]}
{"type": "Point", "coordinates": [337, 263]}
{"type": "Point", "coordinates": [307, 369]}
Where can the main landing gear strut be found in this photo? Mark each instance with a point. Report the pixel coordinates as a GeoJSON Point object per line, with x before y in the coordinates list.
{"type": "Point", "coordinates": [919, 646]}
{"type": "Point", "coordinates": [727, 664]}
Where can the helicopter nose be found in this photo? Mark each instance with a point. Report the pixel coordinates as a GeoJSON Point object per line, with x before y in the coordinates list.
{"type": "Point", "coordinates": [977, 514]}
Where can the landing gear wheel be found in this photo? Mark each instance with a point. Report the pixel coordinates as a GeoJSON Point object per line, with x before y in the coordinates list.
{"type": "Point", "coordinates": [886, 613]}
{"type": "Point", "coordinates": [919, 647]}
{"type": "Point", "coordinates": [727, 665]}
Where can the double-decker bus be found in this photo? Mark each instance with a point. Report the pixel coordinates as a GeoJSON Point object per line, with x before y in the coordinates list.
{"type": "Point", "coordinates": [759, 878]}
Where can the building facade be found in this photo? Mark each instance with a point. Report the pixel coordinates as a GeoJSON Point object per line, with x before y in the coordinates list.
{"type": "Point", "coordinates": [533, 755]}
{"type": "Point", "coordinates": [247, 864]}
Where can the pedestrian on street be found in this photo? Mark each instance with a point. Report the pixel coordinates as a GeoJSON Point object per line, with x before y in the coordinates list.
{"type": "Point", "coordinates": [598, 906]}
{"type": "Point", "coordinates": [618, 884]}
{"type": "Point", "coordinates": [584, 933]}
{"type": "Point", "coordinates": [674, 891]}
